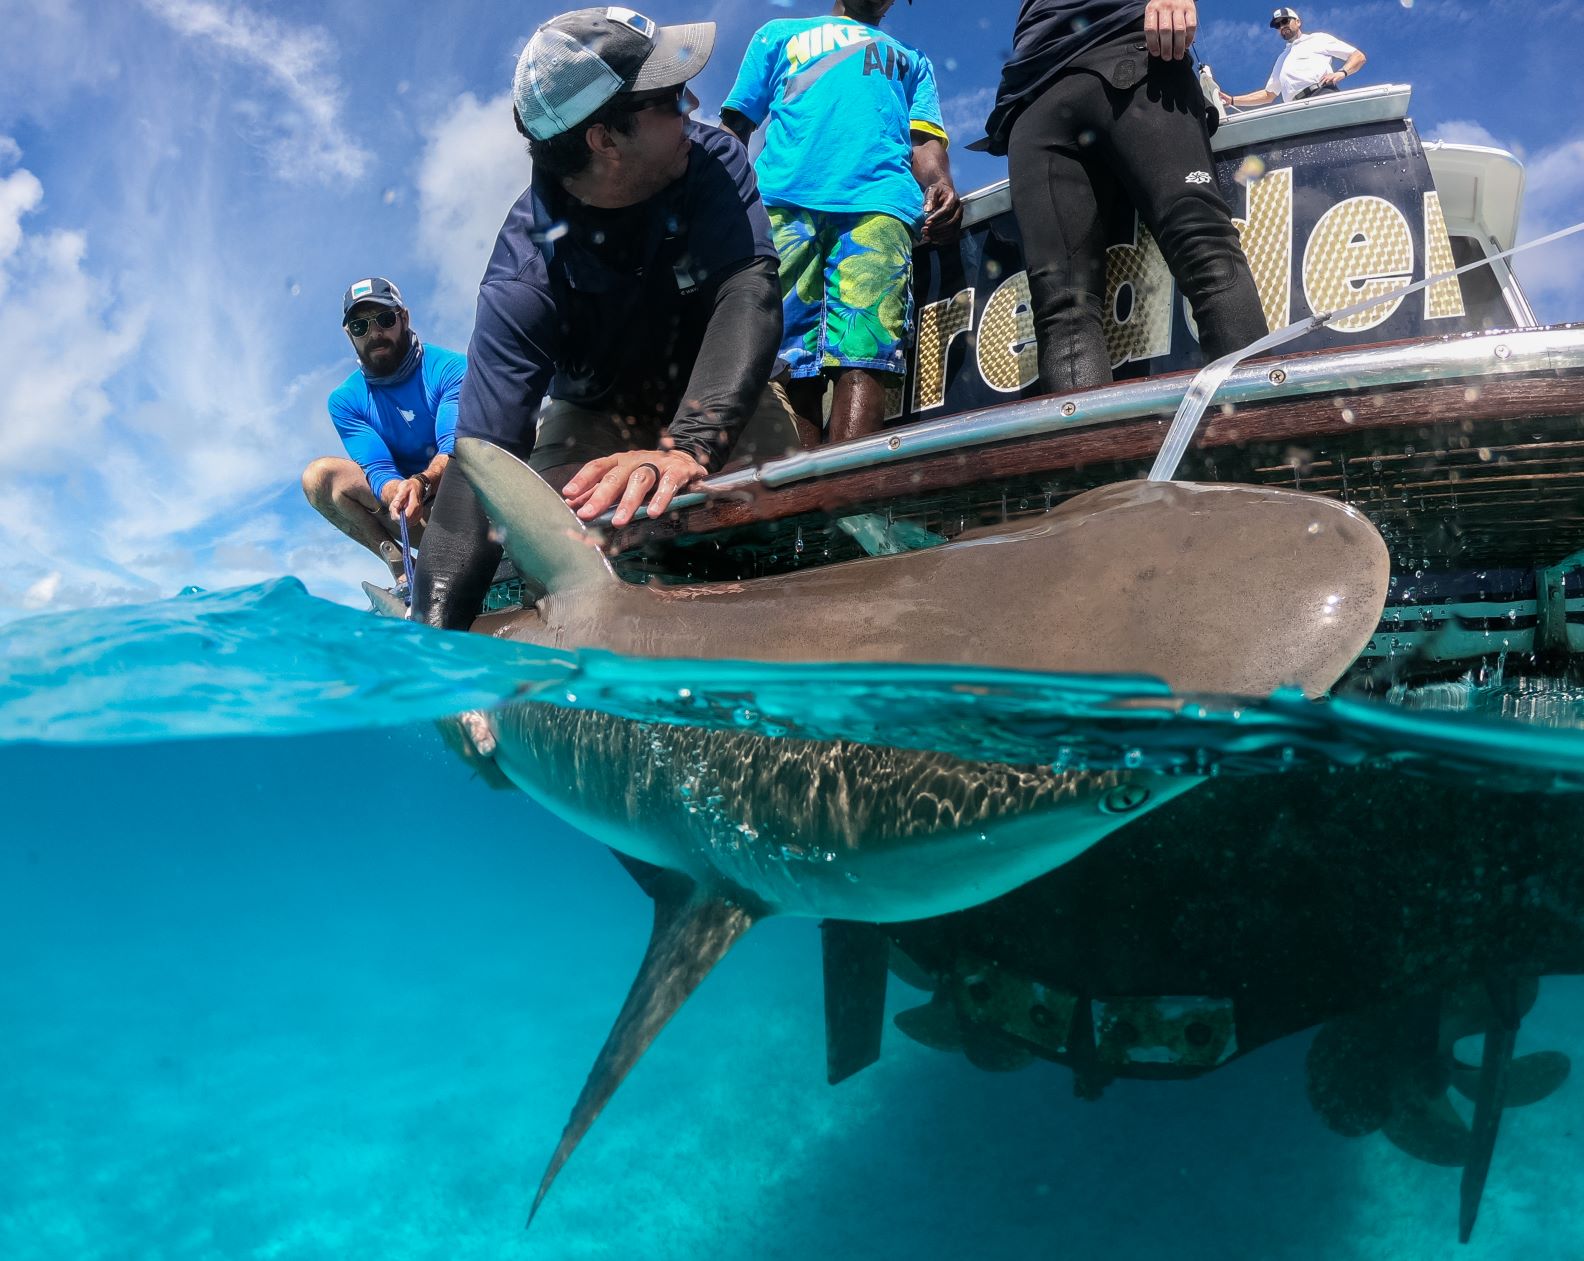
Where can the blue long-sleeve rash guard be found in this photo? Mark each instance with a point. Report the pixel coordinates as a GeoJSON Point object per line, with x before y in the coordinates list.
{"type": "Point", "coordinates": [393, 431]}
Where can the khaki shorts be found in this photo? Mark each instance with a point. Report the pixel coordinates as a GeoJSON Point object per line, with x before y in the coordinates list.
{"type": "Point", "coordinates": [569, 436]}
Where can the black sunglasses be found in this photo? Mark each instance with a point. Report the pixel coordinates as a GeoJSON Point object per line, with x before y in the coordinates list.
{"type": "Point", "coordinates": [671, 97]}
{"type": "Point", "coordinates": [359, 326]}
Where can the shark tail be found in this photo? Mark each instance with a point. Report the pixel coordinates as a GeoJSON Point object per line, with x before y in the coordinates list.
{"type": "Point", "coordinates": [694, 927]}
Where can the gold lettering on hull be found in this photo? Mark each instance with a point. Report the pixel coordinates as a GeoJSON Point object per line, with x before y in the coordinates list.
{"type": "Point", "coordinates": [1444, 299]}
{"type": "Point", "coordinates": [1006, 325]}
{"type": "Point", "coordinates": [1145, 331]}
{"type": "Point", "coordinates": [1360, 249]}
{"type": "Point", "coordinates": [940, 324]}
{"type": "Point", "coordinates": [1267, 236]}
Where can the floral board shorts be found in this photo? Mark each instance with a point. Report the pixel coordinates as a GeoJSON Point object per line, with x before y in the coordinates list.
{"type": "Point", "coordinates": [846, 289]}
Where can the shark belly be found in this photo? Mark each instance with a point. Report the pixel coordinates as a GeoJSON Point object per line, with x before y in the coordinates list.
{"type": "Point", "coordinates": [817, 829]}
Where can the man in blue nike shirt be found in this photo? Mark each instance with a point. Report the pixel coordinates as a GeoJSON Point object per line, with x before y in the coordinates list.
{"type": "Point", "coordinates": [397, 419]}
{"type": "Point", "coordinates": [854, 173]}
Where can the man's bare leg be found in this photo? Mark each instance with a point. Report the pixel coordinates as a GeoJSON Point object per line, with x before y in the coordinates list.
{"type": "Point", "coordinates": [859, 406]}
{"type": "Point", "coordinates": [807, 396]}
{"type": "Point", "coordinates": [340, 493]}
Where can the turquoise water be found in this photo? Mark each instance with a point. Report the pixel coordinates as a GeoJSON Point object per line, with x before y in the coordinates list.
{"type": "Point", "coordinates": [284, 980]}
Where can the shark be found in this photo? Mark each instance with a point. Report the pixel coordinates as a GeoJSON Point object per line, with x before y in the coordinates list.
{"type": "Point", "coordinates": [1219, 589]}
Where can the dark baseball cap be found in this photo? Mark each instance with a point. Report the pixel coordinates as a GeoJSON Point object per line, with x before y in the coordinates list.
{"type": "Point", "coordinates": [375, 289]}
{"type": "Point", "coordinates": [578, 61]}
{"type": "Point", "coordinates": [1281, 15]}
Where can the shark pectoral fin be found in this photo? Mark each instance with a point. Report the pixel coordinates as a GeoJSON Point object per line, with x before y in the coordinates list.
{"type": "Point", "coordinates": [551, 548]}
{"type": "Point", "coordinates": [384, 603]}
{"type": "Point", "coordinates": [855, 957]}
{"type": "Point", "coordinates": [694, 927]}
{"type": "Point", "coordinates": [1530, 1078]}
{"type": "Point", "coordinates": [935, 1024]}
{"type": "Point", "coordinates": [1429, 1130]}
{"type": "Point", "coordinates": [465, 744]}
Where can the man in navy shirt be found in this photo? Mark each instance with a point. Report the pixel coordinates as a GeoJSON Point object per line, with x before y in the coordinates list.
{"type": "Point", "coordinates": [397, 419]}
{"type": "Point", "coordinates": [1099, 112]}
{"type": "Point", "coordinates": [634, 283]}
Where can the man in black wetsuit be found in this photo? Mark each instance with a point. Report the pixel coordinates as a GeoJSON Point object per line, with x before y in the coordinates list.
{"type": "Point", "coordinates": [1098, 111]}
{"type": "Point", "coordinates": [637, 270]}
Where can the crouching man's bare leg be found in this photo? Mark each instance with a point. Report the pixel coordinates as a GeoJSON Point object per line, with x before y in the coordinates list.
{"type": "Point", "coordinates": [340, 493]}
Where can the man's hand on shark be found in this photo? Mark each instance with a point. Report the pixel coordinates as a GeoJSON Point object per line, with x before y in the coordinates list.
{"type": "Point", "coordinates": [627, 479]}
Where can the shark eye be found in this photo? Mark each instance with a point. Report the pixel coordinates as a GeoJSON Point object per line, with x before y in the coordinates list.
{"type": "Point", "coordinates": [1124, 799]}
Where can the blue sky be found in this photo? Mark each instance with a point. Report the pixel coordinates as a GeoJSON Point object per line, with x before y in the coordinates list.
{"type": "Point", "coordinates": [186, 186]}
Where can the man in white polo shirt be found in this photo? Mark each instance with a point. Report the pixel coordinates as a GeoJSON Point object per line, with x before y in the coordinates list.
{"type": "Point", "coordinates": [1305, 65]}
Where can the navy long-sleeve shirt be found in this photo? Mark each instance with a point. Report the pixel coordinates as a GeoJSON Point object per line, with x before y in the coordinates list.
{"type": "Point", "coordinates": [613, 307]}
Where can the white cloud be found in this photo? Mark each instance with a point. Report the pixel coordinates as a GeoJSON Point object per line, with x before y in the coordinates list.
{"type": "Point", "coordinates": [43, 591]}
{"type": "Point", "coordinates": [964, 114]}
{"type": "Point", "coordinates": [474, 166]}
{"type": "Point", "coordinates": [61, 345]}
{"type": "Point", "coordinates": [309, 141]}
{"type": "Point", "coordinates": [134, 433]}
{"type": "Point", "coordinates": [1465, 131]}
{"type": "Point", "coordinates": [1553, 275]}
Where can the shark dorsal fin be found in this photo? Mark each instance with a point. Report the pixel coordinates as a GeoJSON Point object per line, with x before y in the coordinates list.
{"type": "Point", "coordinates": [694, 927]}
{"type": "Point", "coordinates": [543, 536]}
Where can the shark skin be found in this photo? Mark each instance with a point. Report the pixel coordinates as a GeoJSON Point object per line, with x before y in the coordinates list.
{"type": "Point", "coordinates": [1225, 589]}
{"type": "Point", "coordinates": [832, 830]}
{"type": "Point", "coordinates": [1216, 589]}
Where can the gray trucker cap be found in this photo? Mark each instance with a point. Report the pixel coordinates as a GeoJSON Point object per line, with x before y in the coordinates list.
{"type": "Point", "coordinates": [576, 62]}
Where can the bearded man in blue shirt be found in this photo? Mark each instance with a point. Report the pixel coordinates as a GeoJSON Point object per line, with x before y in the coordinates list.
{"type": "Point", "coordinates": [397, 419]}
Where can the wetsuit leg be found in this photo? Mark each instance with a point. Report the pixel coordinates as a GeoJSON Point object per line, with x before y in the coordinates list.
{"type": "Point", "coordinates": [1062, 202]}
{"type": "Point", "coordinates": [1160, 150]}
{"type": "Point", "coordinates": [458, 558]}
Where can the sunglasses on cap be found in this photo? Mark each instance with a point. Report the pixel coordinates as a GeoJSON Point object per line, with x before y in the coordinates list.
{"type": "Point", "coordinates": [359, 326]}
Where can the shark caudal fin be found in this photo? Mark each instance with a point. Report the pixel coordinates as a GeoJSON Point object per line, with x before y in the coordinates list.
{"type": "Point", "coordinates": [542, 535]}
{"type": "Point", "coordinates": [693, 929]}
